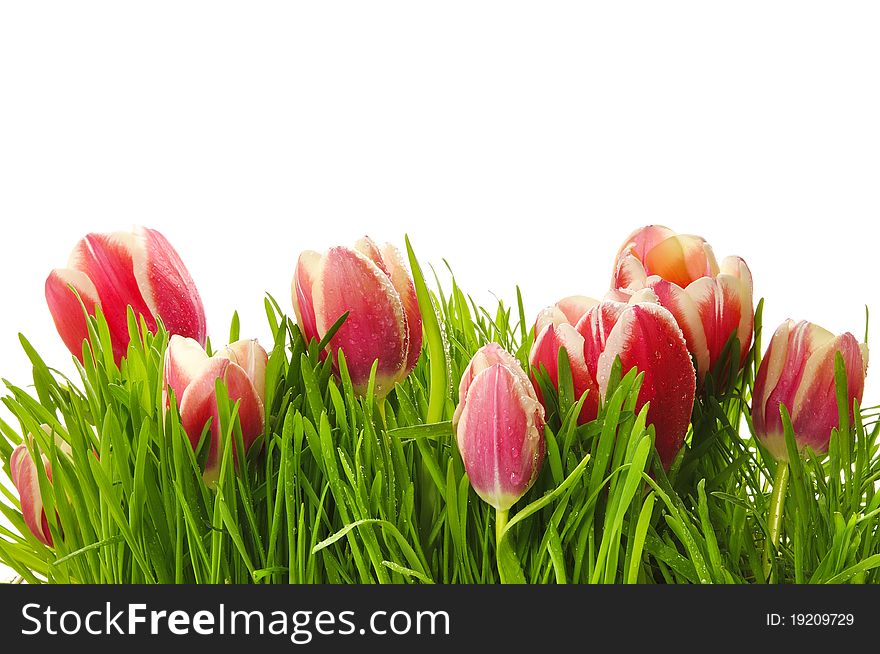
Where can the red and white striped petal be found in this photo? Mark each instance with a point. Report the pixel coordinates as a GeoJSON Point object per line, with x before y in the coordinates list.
{"type": "Point", "coordinates": [26, 481]}
{"type": "Point", "coordinates": [107, 261]}
{"type": "Point", "coordinates": [629, 272]}
{"type": "Point", "coordinates": [779, 377]}
{"type": "Point", "coordinates": [647, 337]}
{"type": "Point", "coordinates": [595, 327]}
{"type": "Point", "coordinates": [252, 358]}
{"type": "Point", "coordinates": [687, 314]}
{"type": "Point", "coordinates": [376, 324]}
{"type": "Point", "coordinates": [166, 286]}
{"type": "Point", "coordinates": [741, 280]}
{"type": "Point", "coordinates": [199, 405]}
{"type": "Point", "coordinates": [308, 269]}
{"type": "Point", "coordinates": [814, 411]}
{"type": "Point", "coordinates": [545, 352]}
{"type": "Point", "coordinates": [65, 307]}
{"type": "Point", "coordinates": [24, 475]}
{"type": "Point", "coordinates": [185, 360]}
{"type": "Point", "coordinates": [569, 310]}
{"type": "Point", "coordinates": [406, 290]}
{"type": "Point", "coordinates": [500, 435]}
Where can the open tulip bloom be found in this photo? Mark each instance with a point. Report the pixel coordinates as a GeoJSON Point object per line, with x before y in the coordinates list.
{"type": "Point", "coordinates": [712, 304]}
{"type": "Point", "coordinates": [639, 437]}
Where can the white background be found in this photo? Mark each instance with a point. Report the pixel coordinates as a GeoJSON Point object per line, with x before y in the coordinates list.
{"type": "Point", "coordinates": [520, 141]}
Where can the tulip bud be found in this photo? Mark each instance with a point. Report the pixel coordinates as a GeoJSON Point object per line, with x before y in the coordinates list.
{"type": "Point", "coordinates": [114, 271]}
{"type": "Point", "coordinates": [192, 375]}
{"type": "Point", "coordinates": [710, 303]}
{"type": "Point", "coordinates": [645, 336]}
{"type": "Point", "coordinates": [384, 323]}
{"type": "Point", "coordinates": [25, 478]}
{"type": "Point", "coordinates": [554, 329]}
{"type": "Point", "coordinates": [499, 426]}
{"type": "Point", "coordinates": [798, 371]}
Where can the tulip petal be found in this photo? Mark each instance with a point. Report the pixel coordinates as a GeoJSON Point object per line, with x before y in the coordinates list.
{"type": "Point", "coordinates": [545, 352]}
{"type": "Point", "coordinates": [766, 420]}
{"type": "Point", "coordinates": [814, 411]}
{"type": "Point", "coordinates": [629, 273]}
{"type": "Point", "coordinates": [595, 327]}
{"type": "Point", "coordinates": [681, 260]}
{"type": "Point", "coordinates": [486, 357]}
{"type": "Point", "coordinates": [737, 269]}
{"type": "Point", "coordinates": [500, 437]}
{"type": "Point", "coordinates": [250, 407]}
{"type": "Point", "coordinates": [376, 324]}
{"type": "Point", "coordinates": [719, 310]}
{"type": "Point", "coordinates": [24, 476]}
{"type": "Point", "coordinates": [687, 315]}
{"type": "Point", "coordinates": [184, 361]}
{"type": "Point", "coordinates": [252, 358]}
{"type": "Point", "coordinates": [642, 240]}
{"type": "Point", "coordinates": [67, 313]}
{"type": "Point", "coordinates": [367, 247]}
{"type": "Point", "coordinates": [308, 269]}
{"type": "Point", "coordinates": [166, 285]}
{"type": "Point", "coordinates": [406, 290]}
{"type": "Point", "coordinates": [198, 403]}
{"type": "Point", "coordinates": [647, 337]}
{"type": "Point", "coordinates": [107, 261]}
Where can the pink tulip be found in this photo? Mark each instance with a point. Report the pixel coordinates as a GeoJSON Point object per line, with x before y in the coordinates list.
{"type": "Point", "coordinates": [114, 271]}
{"type": "Point", "coordinates": [553, 330]}
{"type": "Point", "coordinates": [798, 371]}
{"type": "Point", "coordinates": [710, 303]}
{"type": "Point", "coordinates": [25, 478]}
{"type": "Point", "coordinates": [192, 375]}
{"type": "Point", "coordinates": [645, 336]}
{"type": "Point", "coordinates": [384, 323]}
{"type": "Point", "coordinates": [499, 426]}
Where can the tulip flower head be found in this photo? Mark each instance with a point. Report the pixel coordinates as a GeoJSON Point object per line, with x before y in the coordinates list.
{"type": "Point", "coordinates": [711, 303]}
{"type": "Point", "coordinates": [554, 329]}
{"type": "Point", "coordinates": [374, 287]}
{"type": "Point", "coordinates": [499, 426]}
{"type": "Point", "coordinates": [192, 375]}
{"type": "Point", "coordinates": [25, 478]}
{"type": "Point", "coordinates": [645, 336]}
{"type": "Point", "coordinates": [113, 271]}
{"type": "Point", "coordinates": [798, 371]}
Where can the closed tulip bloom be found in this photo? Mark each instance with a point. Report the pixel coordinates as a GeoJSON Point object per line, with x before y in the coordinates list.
{"type": "Point", "coordinates": [499, 426]}
{"type": "Point", "coordinates": [711, 303]}
{"type": "Point", "coordinates": [554, 329]}
{"type": "Point", "coordinates": [374, 286]}
{"type": "Point", "coordinates": [797, 371]}
{"type": "Point", "coordinates": [121, 269]}
{"type": "Point", "coordinates": [25, 478]}
{"type": "Point", "coordinates": [192, 375]}
{"type": "Point", "coordinates": [645, 336]}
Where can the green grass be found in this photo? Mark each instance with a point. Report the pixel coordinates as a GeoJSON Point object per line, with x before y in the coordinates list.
{"type": "Point", "coordinates": [344, 489]}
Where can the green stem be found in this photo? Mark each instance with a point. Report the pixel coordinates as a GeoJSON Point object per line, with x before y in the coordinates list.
{"type": "Point", "coordinates": [500, 524]}
{"type": "Point", "coordinates": [774, 520]}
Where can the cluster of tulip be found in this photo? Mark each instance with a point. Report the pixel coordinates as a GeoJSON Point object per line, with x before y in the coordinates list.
{"type": "Point", "coordinates": [672, 312]}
